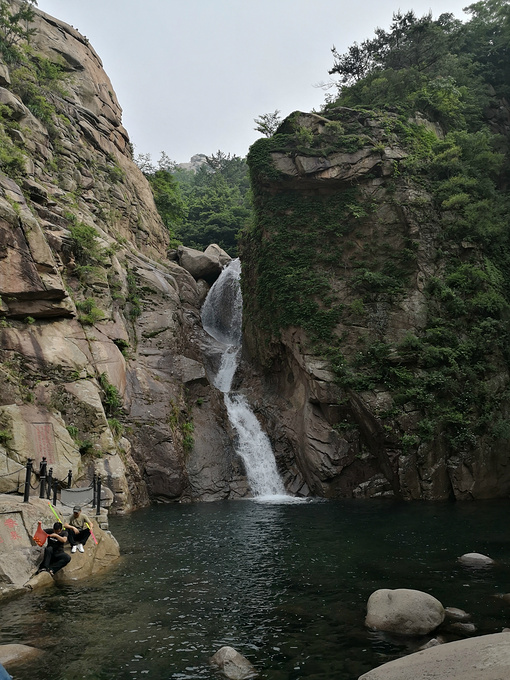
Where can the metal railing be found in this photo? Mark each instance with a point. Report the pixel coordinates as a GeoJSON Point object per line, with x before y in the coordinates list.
{"type": "Point", "coordinates": [49, 486]}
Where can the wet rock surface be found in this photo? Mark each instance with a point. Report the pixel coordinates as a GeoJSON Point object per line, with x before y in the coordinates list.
{"type": "Point", "coordinates": [101, 360]}
{"type": "Point", "coordinates": [483, 658]}
{"type": "Point", "coordinates": [404, 611]}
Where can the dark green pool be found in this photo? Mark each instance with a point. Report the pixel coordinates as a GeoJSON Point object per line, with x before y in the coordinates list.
{"type": "Point", "coordinates": [286, 585]}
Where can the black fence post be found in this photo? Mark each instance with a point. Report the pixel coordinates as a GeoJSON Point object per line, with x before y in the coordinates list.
{"type": "Point", "coordinates": [42, 477]}
{"type": "Point", "coordinates": [69, 478]}
{"type": "Point", "coordinates": [49, 483]}
{"type": "Point", "coordinates": [55, 488]}
{"type": "Point", "coordinates": [98, 498]}
{"type": "Point", "coordinates": [94, 482]}
{"type": "Point", "coordinates": [26, 494]}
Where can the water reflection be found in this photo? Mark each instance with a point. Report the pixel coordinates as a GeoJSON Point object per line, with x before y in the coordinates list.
{"type": "Point", "coordinates": [285, 584]}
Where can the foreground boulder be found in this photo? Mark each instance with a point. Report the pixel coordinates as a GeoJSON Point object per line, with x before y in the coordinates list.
{"type": "Point", "coordinates": [404, 611]}
{"type": "Point", "coordinates": [232, 664]}
{"type": "Point", "coordinates": [482, 658]}
{"type": "Point", "coordinates": [10, 655]}
{"type": "Point", "coordinates": [20, 556]}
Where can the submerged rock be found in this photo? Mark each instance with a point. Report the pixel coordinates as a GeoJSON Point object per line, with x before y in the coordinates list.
{"type": "Point", "coordinates": [476, 560]}
{"type": "Point", "coordinates": [404, 611]}
{"type": "Point", "coordinates": [455, 614]}
{"type": "Point", "coordinates": [463, 628]}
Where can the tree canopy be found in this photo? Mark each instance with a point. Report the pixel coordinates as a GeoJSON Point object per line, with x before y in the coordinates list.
{"type": "Point", "coordinates": [200, 207]}
{"type": "Point", "coordinates": [14, 25]}
{"type": "Point", "coordinates": [442, 61]}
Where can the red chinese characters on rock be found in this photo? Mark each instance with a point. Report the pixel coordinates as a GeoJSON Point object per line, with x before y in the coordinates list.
{"type": "Point", "coordinates": [13, 534]}
{"type": "Point", "coordinates": [11, 525]}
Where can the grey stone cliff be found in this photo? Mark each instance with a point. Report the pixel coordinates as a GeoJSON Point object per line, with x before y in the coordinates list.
{"type": "Point", "coordinates": [101, 363]}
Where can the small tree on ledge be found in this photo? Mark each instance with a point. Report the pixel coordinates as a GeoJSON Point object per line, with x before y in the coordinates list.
{"type": "Point", "coordinates": [268, 123]}
{"type": "Point", "coordinates": [14, 26]}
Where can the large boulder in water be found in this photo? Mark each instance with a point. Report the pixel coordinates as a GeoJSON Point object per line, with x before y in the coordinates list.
{"type": "Point", "coordinates": [232, 664]}
{"type": "Point", "coordinates": [404, 611]}
{"type": "Point", "coordinates": [20, 557]}
{"type": "Point", "coordinates": [482, 658]}
{"type": "Point", "coordinates": [476, 560]}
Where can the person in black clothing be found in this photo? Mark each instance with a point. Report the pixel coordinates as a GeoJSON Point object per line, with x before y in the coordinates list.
{"type": "Point", "coordinates": [54, 556]}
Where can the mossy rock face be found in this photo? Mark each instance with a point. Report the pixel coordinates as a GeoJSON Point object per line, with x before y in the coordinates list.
{"type": "Point", "coordinates": [364, 242]}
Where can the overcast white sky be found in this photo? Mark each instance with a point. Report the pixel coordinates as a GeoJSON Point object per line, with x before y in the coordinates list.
{"type": "Point", "coordinates": [191, 75]}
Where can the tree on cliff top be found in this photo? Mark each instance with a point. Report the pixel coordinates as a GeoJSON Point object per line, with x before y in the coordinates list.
{"type": "Point", "coordinates": [14, 26]}
{"type": "Point", "coordinates": [392, 67]}
{"type": "Point", "coordinates": [456, 74]}
{"type": "Point", "coordinates": [268, 123]}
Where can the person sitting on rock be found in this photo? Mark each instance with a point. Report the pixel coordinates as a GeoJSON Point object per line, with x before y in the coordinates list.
{"type": "Point", "coordinates": [4, 675]}
{"type": "Point", "coordinates": [79, 528]}
{"type": "Point", "coordinates": [54, 556]}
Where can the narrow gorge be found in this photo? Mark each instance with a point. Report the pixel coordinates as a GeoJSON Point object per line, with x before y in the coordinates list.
{"type": "Point", "coordinates": [349, 361]}
{"type": "Point", "coordinates": [243, 373]}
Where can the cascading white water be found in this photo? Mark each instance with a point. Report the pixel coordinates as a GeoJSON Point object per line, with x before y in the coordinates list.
{"type": "Point", "coordinates": [222, 319]}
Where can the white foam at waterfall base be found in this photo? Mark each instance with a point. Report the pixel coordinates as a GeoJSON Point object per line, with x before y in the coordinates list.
{"type": "Point", "coordinates": [222, 319]}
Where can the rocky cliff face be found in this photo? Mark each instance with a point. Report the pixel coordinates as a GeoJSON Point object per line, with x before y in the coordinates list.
{"type": "Point", "coordinates": [101, 362]}
{"type": "Point", "coordinates": [379, 374]}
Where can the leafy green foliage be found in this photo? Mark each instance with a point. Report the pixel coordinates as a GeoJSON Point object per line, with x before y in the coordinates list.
{"type": "Point", "coordinates": [441, 67]}
{"type": "Point", "coordinates": [14, 26]}
{"type": "Point", "coordinates": [268, 123]}
{"type": "Point", "coordinates": [208, 206]}
{"type": "Point", "coordinates": [167, 197]}
{"type": "Point", "coordinates": [111, 399]}
{"type": "Point", "coordinates": [37, 80]}
{"type": "Point", "coordinates": [85, 244]}
{"type": "Point", "coordinates": [453, 74]}
{"type": "Point", "coordinates": [116, 427]}
{"type": "Point", "coordinates": [5, 437]}
{"type": "Point", "coordinates": [89, 312]}
{"type": "Point", "coordinates": [181, 423]}
{"type": "Point", "coordinates": [445, 370]}
{"type": "Point", "coordinates": [12, 160]}
{"type": "Point", "coordinates": [73, 431]}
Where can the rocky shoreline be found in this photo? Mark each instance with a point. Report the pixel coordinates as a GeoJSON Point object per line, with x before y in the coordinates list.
{"type": "Point", "coordinates": [20, 555]}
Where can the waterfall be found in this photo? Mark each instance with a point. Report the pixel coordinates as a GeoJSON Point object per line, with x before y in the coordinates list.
{"type": "Point", "coordinates": [222, 319]}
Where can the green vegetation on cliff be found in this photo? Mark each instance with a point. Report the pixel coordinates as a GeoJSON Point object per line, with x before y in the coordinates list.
{"type": "Point", "coordinates": [15, 27]}
{"type": "Point", "coordinates": [320, 257]}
